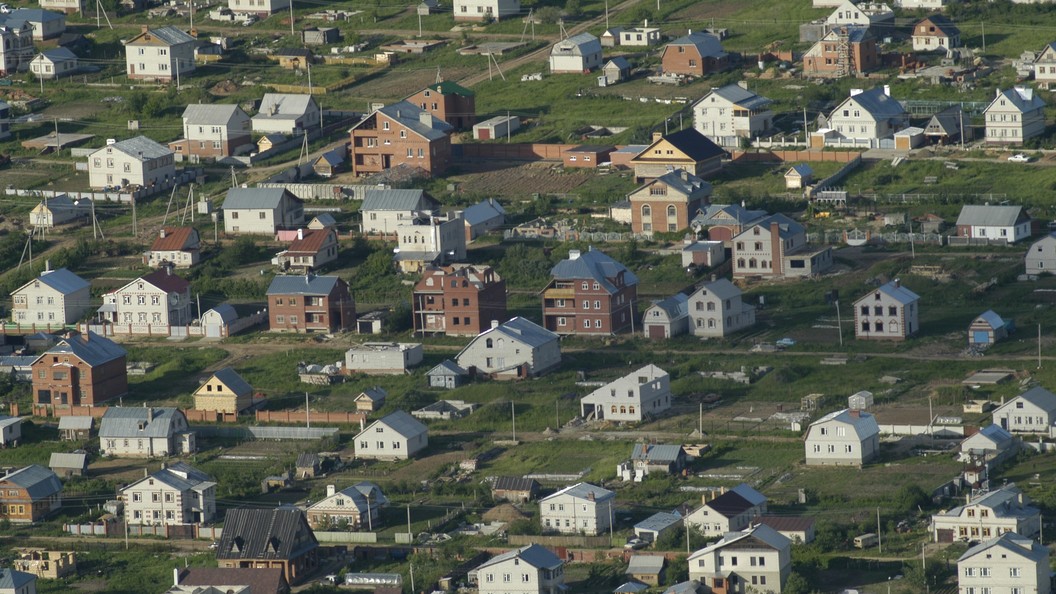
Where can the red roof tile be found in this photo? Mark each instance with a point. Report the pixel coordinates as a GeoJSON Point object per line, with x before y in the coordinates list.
{"type": "Point", "coordinates": [313, 242]}
{"type": "Point", "coordinates": [176, 238]}
{"type": "Point", "coordinates": [166, 281]}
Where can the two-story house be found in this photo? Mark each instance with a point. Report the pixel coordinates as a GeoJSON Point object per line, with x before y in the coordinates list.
{"type": "Point", "coordinates": [145, 432]}
{"type": "Point", "coordinates": [136, 161]}
{"type": "Point", "coordinates": [776, 247]}
{"type": "Point", "coordinates": [731, 510]}
{"type": "Point", "coordinates": [994, 222]}
{"type": "Point", "coordinates": [589, 293]}
{"type": "Point", "coordinates": [729, 115]}
{"type": "Point", "coordinates": [632, 398]}
{"type": "Point", "coordinates": [485, 10]}
{"type": "Point", "coordinates": [261, 8]}
{"type": "Point", "coordinates": [1006, 563]}
{"type": "Point", "coordinates": [382, 210]}
{"type": "Point", "coordinates": [530, 569]}
{"type": "Point", "coordinates": [845, 437]}
{"type": "Point", "coordinates": [845, 51]}
{"type": "Point", "coordinates": [163, 55]}
{"type": "Point", "coordinates": [268, 538]}
{"type": "Point", "coordinates": [46, 24]}
{"type": "Point", "coordinates": [396, 436]}
{"type": "Point", "coordinates": [212, 131]}
{"type": "Point", "coordinates": [151, 304]}
{"type": "Point", "coordinates": [310, 303]}
{"type": "Point", "coordinates": [16, 46]}
{"type": "Point", "coordinates": [224, 391]}
{"type": "Point", "coordinates": [714, 310]}
{"type": "Point", "coordinates": [935, 33]}
{"type": "Point", "coordinates": [1041, 256]}
{"type": "Point", "coordinates": [988, 515]}
{"type": "Point", "coordinates": [758, 559]}
{"type": "Point", "coordinates": [688, 149]}
{"type": "Point", "coordinates": [65, 6]}
{"type": "Point", "coordinates": [285, 113]}
{"type": "Point", "coordinates": [80, 369]}
{"type": "Point", "coordinates": [312, 249]}
{"type": "Point", "coordinates": [582, 508]}
{"type": "Point", "coordinates": [29, 494]}
{"type": "Point", "coordinates": [876, 16]}
{"type": "Point", "coordinates": [1015, 115]}
{"type": "Point", "coordinates": [515, 349]}
{"type": "Point", "coordinates": [869, 115]}
{"type": "Point", "coordinates": [450, 101]}
{"type": "Point", "coordinates": [177, 494]}
{"type": "Point", "coordinates": [577, 54]}
{"type": "Point", "coordinates": [890, 312]}
{"type": "Point", "coordinates": [1045, 66]}
{"type": "Point", "coordinates": [722, 222]}
{"type": "Point", "coordinates": [429, 240]}
{"type": "Point", "coordinates": [400, 135]}
{"type": "Point", "coordinates": [174, 246]}
{"type": "Point", "coordinates": [261, 211]}
{"type": "Point", "coordinates": [695, 54]}
{"type": "Point", "coordinates": [1033, 411]}
{"type": "Point", "coordinates": [668, 202]}
{"type": "Point", "coordinates": [458, 300]}
{"type": "Point", "coordinates": [352, 508]}
{"type": "Point", "coordinates": [55, 298]}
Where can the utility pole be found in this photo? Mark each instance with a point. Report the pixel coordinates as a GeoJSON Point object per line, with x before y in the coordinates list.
{"type": "Point", "coordinates": [839, 322]}
{"type": "Point", "coordinates": [983, 25]}
{"type": "Point", "coordinates": [1039, 346]}
{"type": "Point", "coordinates": [513, 414]}
{"type": "Point", "coordinates": [307, 415]}
{"type": "Point", "coordinates": [292, 32]}
{"type": "Point", "coordinates": [879, 533]}
{"type": "Point", "coordinates": [419, 24]}
{"type": "Point", "coordinates": [134, 230]}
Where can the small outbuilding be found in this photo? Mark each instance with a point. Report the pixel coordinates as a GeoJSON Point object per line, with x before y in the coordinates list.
{"type": "Point", "coordinates": [447, 375]}
{"type": "Point", "coordinates": [798, 176]}
{"type": "Point", "coordinates": [615, 70]}
{"type": "Point", "coordinates": [496, 128]}
{"type": "Point", "coordinates": [988, 328]}
{"type": "Point", "coordinates": [67, 465]}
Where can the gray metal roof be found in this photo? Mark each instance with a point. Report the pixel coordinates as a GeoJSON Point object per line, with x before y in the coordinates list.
{"type": "Point", "coordinates": [645, 564]}
{"type": "Point", "coordinates": [35, 15]}
{"type": "Point", "coordinates": [879, 104]}
{"type": "Point", "coordinates": [684, 182]}
{"type": "Point", "coordinates": [402, 200]}
{"type": "Point", "coordinates": [995, 433]}
{"type": "Point", "coordinates": [523, 330]}
{"type": "Point", "coordinates": [982, 215]}
{"type": "Point", "coordinates": [1014, 544]}
{"type": "Point", "coordinates": [483, 211]}
{"type": "Point", "coordinates": [584, 491]}
{"type": "Point", "coordinates": [39, 482]}
{"type": "Point", "coordinates": [59, 54]}
{"type": "Point", "coordinates": [210, 114]}
{"type": "Point", "coordinates": [60, 460]}
{"type": "Point", "coordinates": [707, 44]}
{"type": "Point", "coordinates": [63, 281]}
{"type": "Point", "coordinates": [896, 291]}
{"type": "Point", "coordinates": [140, 147]}
{"type": "Point", "coordinates": [76, 422]}
{"type": "Point", "coordinates": [375, 394]}
{"type": "Point", "coordinates": [658, 521]}
{"type": "Point", "coordinates": [134, 421]}
{"type": "Point", "coordinates": [1039, 397]}
{"type": "Point", "coordinates": [281, 533]}
{"type": "Point", "coordinates": [409, 115]}
{"type": "Point", "coordinates": [226, 312]}
{"type": "Point", "coordinates": [168, 34]}
{"type": "Point", "coordinates": [786, 227]}
{"type": "Point", "coordinates": [580, 44]}
{"type": "Point", "coordinates": [234, 382]}
{"type": "Point", "coordinates": [631, 587]}
{"type": "Point", "coordinates": [283, 106]}
{"type": "Point", "coordinates": [1023, 98]}
{"type": "Point", "coordinates": [760, 532]}
{"type": "Point", "coordinates": [802, 169]}
{"type": "Point", "coordinates": [721, 288]}
{"type": "Point", "coordinates": [255, 198]}
{"type": "Point", "coordinates": [739, 96]}
{"type": "Point", "coordinates": [13, 581]}
{"type": "Point", "coordinates": [535, 555]}
{"type": "Point", "coordinates": [619, 62]}
{"type": "Point", "coordinates": [725, 214]}
{"type": "Point", "coordinates": [181, 476]}
{"type": "Point", "coordinates": [688, 587]}
{"type": "Point", "coordinates": [447, 367]}
{"type": "Point", "coordinates": [676, 305]}
{"type": "Point", "coordinates": [657, 454]}
{"type": "Point", "coordinates": [89, 347]}
{"type": "Point", "coordinates": [593, 264]}
{"type": "Point", "coordinates": [401, 422]}
{"type": "Point", "coordinates": [863, 423]}
{"type": "Point", "coordinates": [514, 483]}
{"type": "Point", "coordinates": [302, 285]}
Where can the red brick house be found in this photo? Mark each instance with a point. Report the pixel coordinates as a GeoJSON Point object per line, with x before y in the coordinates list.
{"type": "Point", "coordinates": [458, 300]}
{"type": "Point", "coordinates": [310, 303]}
{"type": "Point", "coordinates": [449, 101]}
{"type": "Point", "coordinates": [400, 134]}
{"type": "Point", "coordinates": [587, 156]}
{"type": "Point", "coordinates": [81, 369]}
{"type": "Point", "coordinates": [844, 51]}
{"type": "Point", "coordinates": [590, 294]}
{"type": "Point", "coordinates": [696, 54]}
{"type": "Point", "coordinates": [29, 494]}
{"type": "Point", "coordinates": [268, 538]}
{"type": "Point", "coordinates": [668, 203]}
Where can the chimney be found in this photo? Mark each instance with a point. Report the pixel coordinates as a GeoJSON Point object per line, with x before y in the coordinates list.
{"type": "Point", "coordinates": [856, 92]}
{"type": "Point", "coordinates": [887, 90]}
{"type": "Point", "coordinates": [144, 29]}
{"type": "Point", "coordinates": [150, 413]}
{"type": "Point", "coordinates": [898, 283]}
{"type": "Point", "coordinates": [330, 490]}
{"type": "Point", "coordinates": [47, 266]}
{"type": "Point", "coordinates": [494, 323]}
{"type": "Point", "coordinates": [689, 31]}
{"type": "Point", "coordinates": [657, 136]}
{"type": "Point", "coordinates": [573, 254]}
{"type": "Point", "coordinates": [175, 576]}
{"type": "Point", "coordinates": [426, 118]}
{"type": "Point", "coordinates": [162, 233]}
{"type": "Point", "coordinates": [300, 234]}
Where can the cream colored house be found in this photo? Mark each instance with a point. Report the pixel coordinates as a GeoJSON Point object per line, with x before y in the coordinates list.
{"type": "Point", "coordinates": [429, 240]}
{"type": "Point", "coordinates": [261, 211]}
{"type": "Point", "coordinates": [530, 569]}
{"type": "Point", "coordinates": [150, 304]}
{"type": "Point", "coordinates": [178, 494]}
{"type": "Point", "coordinates": [580, 509]}
{"type": "Point", "coordinates": [843, 438]}
{"type": "Point", "coordinates": [383, 210]}
{"type": "Point", "coordinates": [1015, 115]}
{"type": "Point", "coordinates": [1045, 66]}
{"type": "Point", "coordinates": [54, 63]}
{"type": "Point", "coordinates": [352, 508]}
{"type": "Point", "coordinates": [137, 161]}
{"type": "Point", "coordinates": [397, 436]}
{"type": "Point", "coordinates": [1007, 563]}
{"type": "Point", "coordinates": [145, 432]}
{"type": "Point", "coordinates": [888, 313]}
{"type": "Point", "coordinates": [161, 55]}
{"type": "Point", "coordinates": [261, 8]}
{"type": "Point", "coordinates": [55, 298]}
{"type": "Point", "coordinates": [730, 511]}
{"type": "Point", "coordinates": [729, 114]}
{"type": "Point", "coordinates": [758, 559]}
{"type": "Point", "coordinates": [631, 398]}
{"type": "Point", "coordinates": [178, 246]}
{"type": "Point", "coordinates": [988, 515]}
{"type": "Point", "coordinates": [485, 10]}
{"type": "Point", "coordinates": [225, 391]}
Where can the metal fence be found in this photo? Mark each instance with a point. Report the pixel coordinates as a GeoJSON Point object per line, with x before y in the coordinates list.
{"type": "Point", "coordinates": [277, 433]}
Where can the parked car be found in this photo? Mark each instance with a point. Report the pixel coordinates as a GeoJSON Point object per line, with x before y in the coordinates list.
{"type": "Point", "coordinates": [1019, 158]}
{"type": "Point", "coordinates": [635, 543]}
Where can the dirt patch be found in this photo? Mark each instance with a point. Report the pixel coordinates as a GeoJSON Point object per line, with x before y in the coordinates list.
{"type": "Point", "coordinates": [703, 11]}
{"type": "Point", "coordinates": [76, 111]}
{"type": "Point", "coordinates": [224, 88]}
{"type": "Point", "coordinates": [499, 180]}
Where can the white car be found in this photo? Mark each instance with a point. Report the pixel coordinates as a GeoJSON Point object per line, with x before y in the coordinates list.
{"type": "Point", "coordinates": [1019, 158]}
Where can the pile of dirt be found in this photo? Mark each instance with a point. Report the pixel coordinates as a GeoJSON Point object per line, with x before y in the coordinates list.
{"type": "Point", "coordinates": [505, 512]}
{"type": "Point", "coordinates": [224, 87]}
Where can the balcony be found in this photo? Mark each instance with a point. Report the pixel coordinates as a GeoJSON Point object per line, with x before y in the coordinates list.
{"type": "Point", "coordinates": [559, 293]}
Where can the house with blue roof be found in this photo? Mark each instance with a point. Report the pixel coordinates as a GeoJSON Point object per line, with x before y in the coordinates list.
{"type": "Point", "coordinates": [590, 294]}
{"type": "Point", "coordinates": [54, 299]}
{"type": "Point", "coordinates": [869, 115]}
{"type": "Point", "coordinates": [310, 303]}
{"type": "Point", "coordinates": [482, 217]}
{"type": "Point", "coordinates": [29, 494]}
{"type": "Point", "coordinates": [80, 369]}
{"type": "Point", "coordinates": [989, 328]}
{"type": "Point", "coordinates": [54, 63]}
{"type": "Point", "coordinates": [46, 24]}
{"type": "Point", "coordinates": [17, 582]}
{"type": "Point", "coordinates": [889, 312]}
{"type": "Point", "coordinates": [515, 349]}
{"type": "Point", "coordinates": [145, 432]}
{"type": "Point", "coordinates": [396, 436]}
{"type": "Point", "coordinates": [261, 211]}
{"type": "Point", "coordinates": [539, 571]}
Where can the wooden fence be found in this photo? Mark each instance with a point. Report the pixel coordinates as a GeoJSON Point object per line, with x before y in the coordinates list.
{"type": "Point", "coordinates": [298, 417]}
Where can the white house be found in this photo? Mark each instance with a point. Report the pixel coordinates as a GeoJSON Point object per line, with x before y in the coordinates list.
{"type": "Point", "coordinates": [16, 46]}
{"type": "Point", "coordinates": [485, 10]}
{"type": "Point", "coordinates": [1033, 411]}
{"type": "Point", "coordinates": [843, 438]}
{"type": "Point", "coordinates": [396, 436]}
{"type": "Point", "coordinates": [869, 115]}
{"type": "Point", "coordinates": [66, 6]}
{"type": "Point", "coordinates": [482, 217]}
{"type": "Point", "coordinates": [213, 131]}
{"type": "Point", "coordinates": [176, 246]}
{"type": "Point", "coordinates": [1045, 66]}
{"type": "Point", "coordinates": [136, 161]}
{"type": "Point", "coordinates": [178, 494]}
{"type": "Point", "coordinates": [729, 114]}
{"type": "Point", "coordinates": [282, 113]}
{"type": "Point", "coordinates": [864, 14]}
{"type": "Point", "coordinates": [994, 222]}
{"type": "Point", "coordinates": [887, 313]}
{"type": "Point", "coordinates": [150, 304]}
{"type": "Point", "coordinates": [758, 559]}
{"type": "Point", "coordinates": [516, 348]}
{"type": "Point", "coordinates": [383, 358]}
{"type": "Point", "coordinates": [59, 210]}
{"type": "Point", "coordinates": [1007, 563]}
{"type": "Point", "coordinates": [55, 298]}
{"type": "Point", "coordinates": [430, 240]}
{"type": "Point", "coordinates": [631, 398]}
{"type": "Point", "coordinates": [988, 515]}
{"type": "Point", "coordinates": [1015, 115]}
{"type": "Point", "coordinates": [640, 36]}
{"type": "Point", "coordinates": [989, 442]}
{"type": "Point", "coordinates": [163, 55]}
{"type": "Point", "coordinates": [261, 211]}
{"type": "Point", "coordinates": [352, 508]}
{"type": "Point", "coordinates": [731, 511]}
{"type": "Point", "coordinates": [530, 569]}
{"type": "Point", "coordinates": [580, 509]}
{"type": "Point", "coordinates": [54, 63]}
{"type": "Point", "coordinates": [1041, 257]}
{"type": "Point", "coordinates": [717, 309]}
{"type": "Point", "coordinates": [46, 24]}
{"type": "Point", "coordinates": [145, 432]}
{"type": "Point", "coordinates": [10, 430]}
{"type": "Point", "coordinates": [261, 8]}
{"type": "Point", "coordinates": [935, 33]}
{"type": "Point", "coordinates": [17, 582]}
{"type": "Point", "coordinates": [382, 210]}
{"type": "Point", "coordinates": [577, 54]}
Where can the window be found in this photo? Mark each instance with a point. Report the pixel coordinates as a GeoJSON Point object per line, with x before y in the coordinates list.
{"type": "Point", "coordinates": [586, 323]}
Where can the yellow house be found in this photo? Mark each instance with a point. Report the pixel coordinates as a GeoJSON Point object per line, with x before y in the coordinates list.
{"type": "Point", "coordinates": [371, 399]}
{"type": "Point", "coordinates": [225, 391]}
{"type": "Point", "coordinates": [687, 149]}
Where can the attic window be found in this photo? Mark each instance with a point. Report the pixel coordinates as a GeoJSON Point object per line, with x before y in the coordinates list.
{"type": "Point", "coordinates": [236, 545]}
{"type": "Point", "coordinates": [273, 545]}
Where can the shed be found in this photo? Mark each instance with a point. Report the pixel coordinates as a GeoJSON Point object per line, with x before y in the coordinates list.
{"type": "Point", "coordinates": [909, 138]}
{"type": "Point", "coordinates": [331, 162]}
{"type": "Point", "coordinates": [615, 70]}
{"type": "Point", "coordinates": [67, 465]}
{"type": "Point", "coordinates": [320, 35]}
{"type": "Point", "coordinates": [860, 400]}
{"type": "Point", "coordinates": [76, 428]}
{"type": "Point", "coordinates": [611, 37]}
{"type": "Point", "coordinates": [447, 375]}
{"type": "Point", "coordinates": [372, 322]}
{"type": "Point", "coordinates": [646, 568]}
{"type": "Point", "coordinates": [308, 465]}
{"type": "Point", "coordinates": [10, 430]}
{"type": "Point", "coordinates": [657, 525]}
{"type": "Point", "coordinates": [798, 176]}
{"type": "Point", "coordinates": [988, 328]}
{"type": "Point", "coordinates": [587, 156]}
{"type": "Point", "coordinates": [496, 128]}
{"type": "Point", "coordinates": [371, 399]}
{"type": "Point", "coordinates": [514, 488]}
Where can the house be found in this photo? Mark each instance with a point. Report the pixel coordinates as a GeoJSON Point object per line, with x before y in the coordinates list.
{"type": "Point", "coordinates": [646, 569]}
{"type": "Point", "coordinates": [515, 489]}
{"type": "Point", "coordinates": [55, 298]}
{"type": "Point", "coordinates": [485, 10]}
{"type": "Point", "coordinates": [320, 35]}
{"type": "Point", "coordinates": [448, 100]}
{"type": "Point", "coordinates": [776, 247]}
{"type": "Point", "coordinates": [757, 558]}
{"type": "Point", "coordinates": [1033, 411]}
{"type": "Point", "coordinates": [657, 526]}
{"type": "Point", "coordinates": [383, 358]}
{"type": "Point", "coordinates": [10, 430]}
{"type": "Point", "coordinates": [65, 6]}
{"type": "Point", "coordinates": [729, 115]}
{"type": "Point", "coordinates": [515, 349]}
{"type": "Point", "coordinates": [16, 48]}
{"type": "Point", "coordinates": [212, 131]}
{"type": "Point", "coordinates": [686, 149]}
{"type": "Point", "coordinates": [887, 313]}
{"type": "Point", "coordinates": [483, 217]}
{"type": "Point", "coordinates": [586, 156]}
{"type": "Point", "coordinates": [447, 375]}
{"type": "Point", "coordinates": [151, 304]}
{"type": "Point", "coordinates": [667, 203]}
{"type": "Point", "coordinates": [400, 134]}
{"type": "Point", "coordinates": [352, 508]}
{"type": "Point", "coordinates": [383, 210]}
{"type": "Point", "coordinates": [46, 24]}
{"type": "Point", "coordinates": [989, 442]}
{"type": "Point", "coordinates": [641, 394]}
{"type": "Point", "coordinates": [1041, 256]}
{"type": "Point", "coordinates": [59, 210]}
{"type": "Point", "coordinates": [640, 36]}
{"type": "Point", "coordinates": [589, 293]}
{"type": "Point", "coordinates": [261, 211]}
{"type": "Point", "coordinates": [175, 246]}
{"type": "Point", "coordinates": [695, 54]}
{"type": "Point", "coordinates": [666, 317]}
{"type": "Point", "coordinates": [262, 9]}
{"type": "Point", "coordinates": [49, 565]}
{"type": "Point", "coordinates": [331, 162]}
{"type": "Point", "coordinates": [731, 511]}
{"type": "Point", "coordinates": [579, 509]}
{"type": "Point", "coordinates": [370, 399]}
{"type": "Point", "coordinates": [177, 494]}
{"type": "Point", "coordinates": [29, 494]}
{"type": "Point", "coordinates": [1008, 224]}
{"type": "Point", "coordinates": [631, 587]}
{"type": "Point", "coordinates": [161, 55]}
{"type": "Point", "coordinates": [947, 126]}
{"type": "Point", "coordinates": [268, 538]}
{"type": "Point", "coordinates": [292, 58]}
{"type": "Point", "coordinates": [868, 115]}
{"type": "Point", "coordinates": [17, 582]}
{"type": "Point", "coordinates": [649, 458]}
{"type": "Point", "coordinates": [798, 529]}
{"type": "Point", "coordinates": [578, 54]}
{"type": "Point", "coordinates": [1045, 66]}
{"type": "Point", "coordinates": [611, 37]}
{"type": "Point", "coordinates": [686, 587]}
{"type": "Point", "coordinates": [429, 240]}
{"type": "Point", "coordinates": [1015, 115]}
{"type": "Point", "coordinates": [845, 51]}
{"type": "Point", "coordinates": [265, 580]}
{"type": "Point", "coordinates": [67, 465]}
{"type": "Point", "coordinates": [80, 369]}
{"type": "Point", "coordinates": [54, 63]}
{"type": "Point", "coordinates": [145, 432]}
{"type": "Point", "coordinates": [535, 569]}
{"type": "Point", "coordinates": [798, 176]}
{"type": "Point", "coordinates": [458, 300]}
{"type": "Point", "coordinates": [879, 18]}
{"type": "Point", "coordinates": [615, 70]}
{"type": "Point", "coordinates": [225, 391]}
{"type": "Point", "coordinates": [311, 250]}
{"type": "Point", "coordinates": [496, 128]}
{"type": "Point", "coordinates": [136, 161]}
{"type": "Point", "coordinates": [445, 410]}
{"type": "Point", "coordinates": [76, 428]}
{"type": "Point", "coordinates": [935, 33]}
{"type": "Point", "coordinates": [988, 328]}
{"type": "Point", "coordinates": [310, 303]}
{"type": "Point", "coordinates": [1005, 563]}
{"type": "Point", "coordinates": [842, 438]}
{"type": "Point", "coordinates": [288, 114]}
{"type": "Point", "coordinates": [723, 222]}
{"type": "Point", "coordinates": [988, 515]}
{"type": "Point", "coordinates": [396, 436]}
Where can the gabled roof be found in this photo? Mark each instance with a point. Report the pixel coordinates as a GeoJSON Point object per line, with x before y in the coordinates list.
{"type": "Point", "coordinates": [58, 54]}
{"type": "Point", "coordinates": [986, 215]}
{"type": "Point", "coordinates": [1014, 544]}
{"type": "Point", "coordinates": [658, 521]}
{"type": "Point", "coordinates": [708, 45]}
{"type": "Point", "coordinates": [305, 459]}
{"type": "Point", "coordinates": [585, 491]}
{"type": "Point", "coordinates": [448, 87]}
{"type": "Point", "coordinates": [675, 306]}
{"type": "Point", "coordinates": [35, 15]}
{"type": "Point", "coordinates": [6, 421]}
{"type": "Point", "coordinates": [13, 581]}
{"type": "Point", "coordinates": [649, 564]}
{"type": "Point", "coordinates": [180, 476]}
{"type": "Point", "coordinates": [402, 423]}
{"type": "Point", "coordinates": [690, 141]}
{"type": "Point", "coordinates": [688, 587]}
{"type": "Point", "coordinates": [409, 115]}
{"type": "Point", "coordinates": [580, 44]}
{"type": "Point", "coordinates": [135, 421]}
{"type": "Point", "coordinates": [262, 580]}
{"type": "Point", "coordinates": [737, 95]}
{"type": "Point", "coordinates": [521, 330]}
{"type": "Point", "coordinates": [657, 454]}
{"type": "Point", "coordinates": [375, 394]}
{"type": "Point", "coordinates": [164, 280]}
{"type": "Point", "coordinates": [234, 382]}
{"type": "Point", "coordinates": [593, 264]}
{"type": "Point", "coordinates": [788, 523]}
{"type": "Point", "coordinates": [176, 238]}
{"type": "Point", "coordinates": [802, 169]}
{"type": "Point", "coordinates": [618, 62]}
{"type": "Point", "coordinates": [941, 23]}
{"type": "Point", "coordinates": [309, 284]}
{"type": "Point", "coordinates": [62, 280]}
{"type": "Point", "coordinates": [447, 367]}
{"type": "Point", "coordinates": [533, 554]}
{"type": "Point", "coordinates": [948, 121]}
{"type": "Point", "coordinates": [991, 319]}
{"type": "Point", "coordinates": [312, 241]}
{"type": "Point", "coordinates": [1004, 502]}
{"type": "Point", "coordinates": [91, 348]}
{"type": "Point", "coordinates": [1022, 98]}
{"type": "Point", "coordinates": [863, 423]}
{"type": "Point", "coordinates": [212, 114]}
{"type": "Point", "coordinates": [721, 288]}
{"type": "Point", "coordinates": [736, 501]}
{"type": "Point", "coordinates": [140, 147]}
{"type": "Point", "coordinates": [401, 200]}
{"type": "Point", "coordinates": [256, 198]}
{"type": "Point", "coordinates": [283, 106]}
{"type": "Point", "coordinates": [631, 587]}
{"type": "Point", "coordinates": [896, 291]}
{"type": "Point", "coordinates": [60, 460]}
{"type": "Point", "coordinates": [39, 482]}
{"type": "Point", "coordinates": [76, 423]}
{"type": "Point", "coordinates": [514, 483]}
{"type": "Point", "coordinates": [168, 34]}
{"type": "Point", "coordinates": [281, 533]}
{"type": "Point", "coordinates": [334, 157]}
{"type": "Point", "coordinates": [483, 211]}
{"type": "Point", "coordinates": [786, 227]}
{"type": "Point", "coordinates": [877, 103]}
{"type": "Point", "coordinates": [1038, 396]}
{"type": "Point", "coordinates": [725, 214]}
{"type": "Point", "coordinates": [681, 181]}
{"type": "Point", "coordinates": [760, 532]}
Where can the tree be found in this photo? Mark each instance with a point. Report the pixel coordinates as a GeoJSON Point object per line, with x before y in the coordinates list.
{"type": "Point", "coordinates": [572, 8]}
{"type": "Point", "coordinates": [796, 584]}
{"type": "Point", "coordinates": [548, 15]}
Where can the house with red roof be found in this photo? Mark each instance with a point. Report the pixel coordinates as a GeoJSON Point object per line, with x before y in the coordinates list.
{"type": "Point", "coordinates": [151, 304]}
{"type": "Point", "coordinates": [178, 246]}
{"type": "Point", "coordinates": [311, 249]}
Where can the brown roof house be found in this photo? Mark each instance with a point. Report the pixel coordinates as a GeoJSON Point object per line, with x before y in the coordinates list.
{"type": "Point", "coordinates": [458, 300]}
{"type": "Point", "coordinates": [312, 249]}
{"type": "Point", "coordinates": [29, 494]}
{"type": "Point", "coordinates": [695, 54]}
{"type": "Point", "coordinates": [935, 33]}
{"type": "Point", "coordinates": [178, 246]}
{"type": "Point", "coordinates": [268, 538]}
{"type": "Point", "coordinates": [668, 203]}
{"type": "Point", "coordinates": [449, 101]}
{"type": "Point", "coordinates": [310, 303]}
{"type": "Point", "coordinates": [400, 134]}
{"type": "Point", "coordinates": [686, 149]}
{"type": "Point", "coordinates": [514, 488]}
{"type": "Point", "coordinates": [259, 580]}
{"type": "Point", "coordinates": [80, 369]}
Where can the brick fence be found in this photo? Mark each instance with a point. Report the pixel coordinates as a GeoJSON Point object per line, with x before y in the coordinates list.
{"type": "Point", "coordinates": [297, 416]}
{"type": "Point", "coordinates": [805, 155]}
{"type": "Point", "coordinates": [212, 416]}
{"type": "Point", "coordinates": [514, 152]}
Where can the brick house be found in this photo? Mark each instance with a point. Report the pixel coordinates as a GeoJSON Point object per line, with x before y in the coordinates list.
{"type": "Point", "coordinates": [589, 294]}
{"type": "Point", "coordinates": [935, 33]}
{"type": "Point", "coordinates": [695, 54]}
{"type": "Point", "coordinates": [458, 300]}
{"type": "Point", "coordinates": [686, 149]}
{"type": "Point", "coordinates": [211, 131]}
{"type": "Point", "coordinates": [890, 312]}
{"type": "Point", "coordinates": [667, 203]}
{"type": "Point", "coordinates": [269, 538]}
{"type": "Point", "coordinates": [843, 51]}
{"type": "Point", "coordinates": [400, 134]}
{"type": "Point", "coordinates": [310, 303]}
{"type": "Point", "coordinates": [776, 247]}
{"type": "Point", "coordinates": [80, 369]}
{"type": "Point", "coordinates": [449, 101]}
{"type": "Point", "coordinates": [29, 494]}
